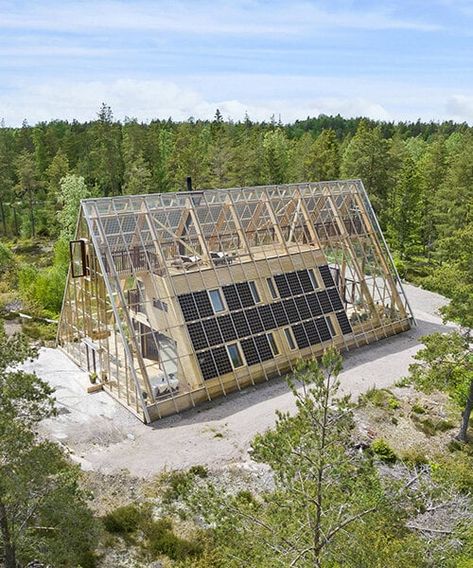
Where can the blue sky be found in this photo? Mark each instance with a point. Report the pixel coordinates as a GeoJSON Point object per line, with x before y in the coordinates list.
{"type": "Point", "coordinates": [388, 60]}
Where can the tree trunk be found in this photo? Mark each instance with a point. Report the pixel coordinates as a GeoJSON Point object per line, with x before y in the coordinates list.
{"type": "Point", "coordinates": [462, 435]}
{"type": "Point", "coordinates": [8, 547]}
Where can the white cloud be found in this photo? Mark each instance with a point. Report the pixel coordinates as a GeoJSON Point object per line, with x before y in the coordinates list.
{"type": "Point", "coordinates": [242, 17]}
{"type": "Point", "coordinates": [146, 100]}
{"type": "Point", "coordinates": [460, 107]}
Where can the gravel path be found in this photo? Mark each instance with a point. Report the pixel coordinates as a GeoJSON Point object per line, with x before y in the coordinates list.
{"type": "Point", "coordinates": [105, 437]}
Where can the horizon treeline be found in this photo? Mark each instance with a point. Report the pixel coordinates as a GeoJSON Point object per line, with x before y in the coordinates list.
{"type": "Point", "coordinates": [418, 175]}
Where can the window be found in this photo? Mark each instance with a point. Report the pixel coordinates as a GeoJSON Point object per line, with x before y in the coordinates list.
{"type": "Point", "coordinates": [78, 258]}
{"type": "Point", "coordinates": [271, 287]}
{"type": "Point", "coordinates": [290, 339]}
{"type": "Point", "coordinates": [313, 279]}
{"type": "Point", "coordinates": [217, 302]}
{"type": "Point", "coordinates": [272, 342]}
{"type": "Point", "coordinates": [160, 305]}
{"type": "Point", "coordinates": [254, 292]}
{"type": "Point", "coordinates": [330, 326]}
{"type": "Point", "coordinates": [235, 355]}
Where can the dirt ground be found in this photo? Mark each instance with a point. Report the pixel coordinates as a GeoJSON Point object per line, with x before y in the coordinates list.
{"type": "Point", "coordinates": [104, 437]}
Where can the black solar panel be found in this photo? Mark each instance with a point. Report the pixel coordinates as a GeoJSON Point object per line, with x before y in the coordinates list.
{"type": "Point", "coordinates": [279, 314]}
{"type": "Point", "coordinates": [324, 302]}
{"type": "Point", "coordinates": [306, 282]}
{"type": "Point", "coordinates": [250, 351]}
{"type": "Point", "coordinates": [303, 308]}
{"type": "Point", "coordinates": [256, 325]}
{"type": "Point", "coordinates": [241, 324]}
{"type": "Point", "coordinates": [222, 360]}
{"type": "Point", "coordinates": [344, 323]}
{"type": "Point", "coordinates": [326, 276]}
{"type": "Point", "coordinates": [232, 297]}
{"type": "Point", "coordinates": [294, 283]}
{"type": "Point", "coordinates": [212, 331]}
{"type": "Point", "coordinates": [207, 365]}
{"type": "Point", "coordinates": [291, 310]}
{"type": "Point", "coordinates": [267, 317]}
{"type": "Point", "coordinates": [283, 286]}
{"type": "Point", "coordinates": [323, 329]}
{"type": "Point", "coordinates": [203, 304]}
{"type": "Point", "coordinates": [311, 332]}
{"type": "Point", "coordinates": [335, 299]}
{"type": "Point", "coordinates": [227, 328]}
{"type": "Point", "coordinates": [246, 297]}
{"type": "Point", "coordinates": [300, 335]}
{"type": "Point", "coordinates": [264, 349]}
{"type": "Point", "coordinates": [198, 338]}
{"type": "Point", "coordinates": [314, 305]}
{"type": "Point", "coordinates": [188, 307]}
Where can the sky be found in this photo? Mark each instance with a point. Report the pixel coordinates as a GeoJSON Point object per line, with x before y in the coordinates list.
{"type": "Point", "coordinates": [389, 60]}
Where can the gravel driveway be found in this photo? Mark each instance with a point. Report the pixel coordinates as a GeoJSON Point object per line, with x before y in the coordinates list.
{"type": "Point", "coordinates": [105, 437]}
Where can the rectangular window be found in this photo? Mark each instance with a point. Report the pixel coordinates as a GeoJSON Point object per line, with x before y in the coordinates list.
{"type": "Point", "coordinates": [78, 258]}
{"type": "Point", "coordinates": [272, 287]}
{"type": "Point", "coordinates": [254, 292]}
{"type": "Point", "coordinates": [272, 342]}
{"type": "Point", "coordinates": [330, 326]}
{"type": "Point", "coordinates": [313, 279]}
{"type": "Point", "coordinates": [235, 355]}
{"type": "Point", "coordinates": [217, 302]}
{"type": "Point", "coordinates": [160, 305]}
{"type": "Point", "coordinates": [290, 338]}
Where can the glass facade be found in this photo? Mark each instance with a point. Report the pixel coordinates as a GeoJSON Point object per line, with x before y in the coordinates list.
{"type": "Point", "coordinates": [168, 293]}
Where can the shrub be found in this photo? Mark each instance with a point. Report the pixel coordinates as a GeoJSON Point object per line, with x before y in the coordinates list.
{"type": "Point", "coordinates": [39, 330]}
{"type": "Point", "coordinates": [160, 539]}
{"type": "Point", "coordinates": [199, 471]}
{"type": "Point", "coordinates": [179, 483]}
{"type": "Point", "coordinates": [431, 427]}
{"type": "Point", "coordinates": [382, 398]}
{"type": "Point", "coordinates": [418, 409]}
{"type": "Point", "coordinates": [383, 451]}
{"type": "Point", "coordinates": [7, 260]}
{"type": "Point", "coordinates": [123, 520]}
{"type": "Point", "coordinates": [414, 456]}
{"type": "Point", "coordinates": [455, 470]}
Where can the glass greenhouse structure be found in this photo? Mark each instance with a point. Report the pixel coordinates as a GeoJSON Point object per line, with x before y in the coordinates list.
{"type": "Point", "coordinates": [177, 298]}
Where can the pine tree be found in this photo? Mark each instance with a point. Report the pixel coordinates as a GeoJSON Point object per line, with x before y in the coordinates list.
{"type": "Point", "coordinates": [403, 215]}
{"type": "Point", "coordinates": [138, 179]}
{"type": "Point", "coordinates": [432, 171]}
{"type": "Point", "coordinates": [323, 161]}
{"type": "Point", "coordinates": [367, 157]}
{"type": "Point", "coordinates": [107, 164]}
{"type": "Point", "coordinates": [276, 156]}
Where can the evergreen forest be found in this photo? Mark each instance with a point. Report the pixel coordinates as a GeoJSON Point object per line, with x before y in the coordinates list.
{"type": "Point", "coordinates": [419, 177]}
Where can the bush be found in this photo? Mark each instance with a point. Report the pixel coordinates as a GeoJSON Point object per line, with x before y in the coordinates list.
{"type": "Point", "coordinates": [382, 398]}
{"type": "Point", "coordinates": [160, 539]}
{"type": "Point", "coordinates": [383, 451]}
{"type": "Point", "coordinates": [414, 456]}
{"type": "Point", "coordinates": [403, 383]}
{"type": "Point", "coordinates": [42, 289]}
{"type": "Point", "coordinates": [431, 427]}
{"type": "Point", "coordinates": [124, 520]}
{"type": "Point", "coordinates": [179, 483]}
{"type": "Point", "coordinates": [7, 260]}
{"type": "Point", "coordinates": [418, 409]}
{"type": "Point", "coordinates": [455, 470]}
{"type": "Point", "coordinates": [39, 330]}
{"type": "Point", "coordinates": [199, 471]}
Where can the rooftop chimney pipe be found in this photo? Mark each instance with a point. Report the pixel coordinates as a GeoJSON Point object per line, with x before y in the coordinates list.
{"type": "Point", "coordinates": [189, 183]}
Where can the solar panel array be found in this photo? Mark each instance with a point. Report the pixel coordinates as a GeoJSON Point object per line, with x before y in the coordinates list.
{"type": "Point", "coordinates": [300, 306]}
